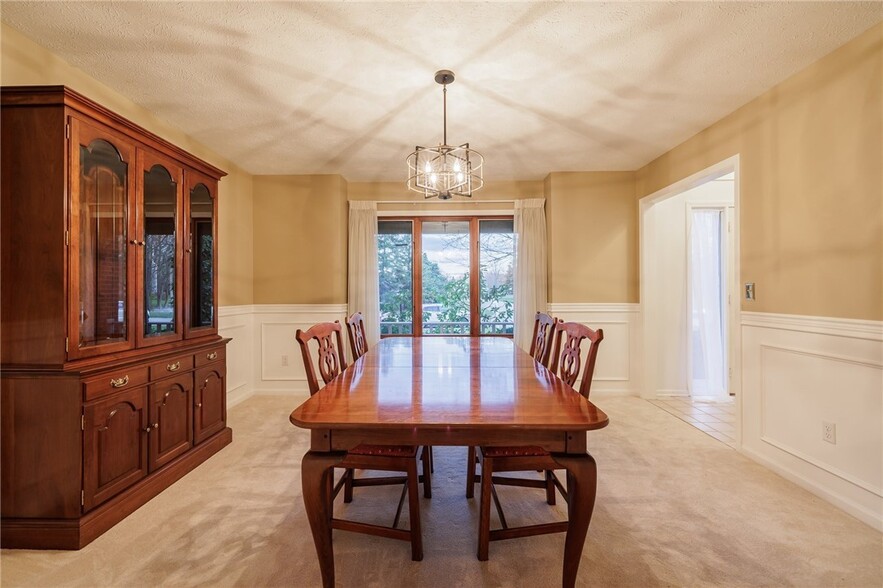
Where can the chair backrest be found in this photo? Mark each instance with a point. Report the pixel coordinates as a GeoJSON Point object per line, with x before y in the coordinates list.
{"type": "Point", "coordinates": [355, 328]}
{"type": "Point", "coordinates": [331, 360]}
{"type": "Point", "coordinates": [566, 362]}
{"type": "Point", "coordinates": [541, 342]}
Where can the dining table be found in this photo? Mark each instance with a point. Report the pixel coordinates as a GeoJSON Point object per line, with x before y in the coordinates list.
{"type": "Point", "coordinates": [448, 391]}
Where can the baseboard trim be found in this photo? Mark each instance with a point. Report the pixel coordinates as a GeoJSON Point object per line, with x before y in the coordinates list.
{"type": "Point", "coordinates": [867, 516]}
{"type": "Point", "coordinates": [237, 395]}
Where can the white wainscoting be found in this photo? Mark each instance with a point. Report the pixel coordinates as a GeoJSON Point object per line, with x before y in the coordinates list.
{"type": "Point", "coordinates": [236, 322]}
{"type": "Point", "coordinates": [798, 372]}
{"type": "Point", "coordinates": [263, 357]}
{"type": "Point", "coordinates": [617, 370]}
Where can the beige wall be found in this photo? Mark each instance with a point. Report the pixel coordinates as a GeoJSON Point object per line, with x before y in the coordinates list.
{"type": "Point", "coordinates": [811, 155]}
{"type": "Point", "coordinates": [23, 62]}
{"type": "Point", "coordinates": [300, 234]}
{"type": "Point", "coordinates": [811, 197]}
{"type": "Point", "coordinates": [592, 236]}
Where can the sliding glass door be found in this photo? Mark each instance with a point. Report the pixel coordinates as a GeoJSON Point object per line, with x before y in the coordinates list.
{"type": "Point", "coordinates": [446, 276]}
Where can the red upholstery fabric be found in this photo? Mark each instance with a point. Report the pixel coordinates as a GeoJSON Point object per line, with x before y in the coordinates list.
{"type": "Point", "coordinates": [385, 450]}
{"type": "Point", "coordinates": [513, 451]}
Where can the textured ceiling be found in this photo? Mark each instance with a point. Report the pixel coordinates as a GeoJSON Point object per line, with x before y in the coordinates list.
{"type": "Point", "coordinates": [291, 88]}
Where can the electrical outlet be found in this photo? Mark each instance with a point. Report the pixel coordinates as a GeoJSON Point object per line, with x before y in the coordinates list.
{"type": "Point", "coordinates": [829, 432]}
{"type": "Point", "coordinates": [284, 360]}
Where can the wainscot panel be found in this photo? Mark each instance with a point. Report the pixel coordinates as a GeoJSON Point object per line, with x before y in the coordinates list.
{"type": "Point", "coordinates": [800, 374]}
{"type": "Point", "coordinates": [617, 371]}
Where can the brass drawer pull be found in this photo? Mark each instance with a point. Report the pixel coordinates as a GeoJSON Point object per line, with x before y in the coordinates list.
{"type": "Point", "coordinates": [119, 382]}
{"type": "Point", "coordinates": [147, 430]}
{"type": "Point", "coordinates": [212, 355]}
{"type": "Point", "coordinates": [199, 405]}
{"type": "Point", "coordinates": [174, 367]}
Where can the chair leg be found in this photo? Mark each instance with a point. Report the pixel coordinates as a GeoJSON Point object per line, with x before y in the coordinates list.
{"type": "Point", "coordinates": [550, 488]}
{"type": "Point", "coordinates": [470, 472]}
{"type": "Point", "coordinates": [426, 458]}
{"type": "Point", "coordinates": [484, 520]}
{"type": "Point", "coordinates": [431, 460]}
{"type": "Point", "coordinates": [348, 485]}
{"type": "Point", "coordinates": [414, 512]}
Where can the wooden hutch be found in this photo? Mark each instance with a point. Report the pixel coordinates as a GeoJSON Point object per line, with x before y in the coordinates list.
{"type": "Point", "coordinates": [113, 373]}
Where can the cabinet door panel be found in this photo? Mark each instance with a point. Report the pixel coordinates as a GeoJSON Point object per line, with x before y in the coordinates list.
{"type": "Point", "coordinates": [160, 255]}
{"type": "Point", "coordinates": [209, 402]}
{"type": "Point", "coordinates": [101, 252]}
{"type": "Point", "coordinates": [115, 445]}
{"type": "Point", "coordinates": [201, 259]}
{"type": "Point", "coordinates": [171, 419]}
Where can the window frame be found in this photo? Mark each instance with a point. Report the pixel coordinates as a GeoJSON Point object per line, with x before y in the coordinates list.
{"type": "Point", "coordinates": [474, 270]}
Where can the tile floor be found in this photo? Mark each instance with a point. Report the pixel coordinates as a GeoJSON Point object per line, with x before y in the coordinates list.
{"type": "Point", "coordinates": [717, 419]}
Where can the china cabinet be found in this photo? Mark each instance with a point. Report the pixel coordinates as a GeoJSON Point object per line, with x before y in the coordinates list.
{"type": "Point", "coordinates": [113, 373]}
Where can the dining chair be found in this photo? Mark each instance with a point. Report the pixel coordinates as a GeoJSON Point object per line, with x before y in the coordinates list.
{"type": "Point", "coordinates": [566, 364]}
{"type": "Point", "coordinates": [389, 458]}
{"type": "Point", "coordinates": [355, 328]}
{"type": "Point", "coordinates": [540, 350]}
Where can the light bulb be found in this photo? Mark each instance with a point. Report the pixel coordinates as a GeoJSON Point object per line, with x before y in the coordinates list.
{"type": "Point", "coordinates": [460, 176]}
{"type": "Point", "coordinates": [433, 178]}
{"type": "Point", "coordinates": [427, 167]}
{"type": "Point", "coordinates": [457, 165]}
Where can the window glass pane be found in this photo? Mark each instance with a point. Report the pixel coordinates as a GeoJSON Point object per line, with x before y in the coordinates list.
{"type": "Point", "coordinates": [496, 251]}
{"type": "Point", "coordinates": [445, 260]}
{"type": "Point", "coordinates": [160, 209]}
{"type": "Point", "coordinates": [394, 262]}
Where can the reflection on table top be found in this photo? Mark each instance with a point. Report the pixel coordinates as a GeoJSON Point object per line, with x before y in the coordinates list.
{"type": "Point", "coordinates": [437, 382]}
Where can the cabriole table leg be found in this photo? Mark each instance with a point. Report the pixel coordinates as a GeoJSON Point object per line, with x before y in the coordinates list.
{"type": "Point", "coordinates": [582, 482]}
{"type": "Point", "coordinates": [317, 470]}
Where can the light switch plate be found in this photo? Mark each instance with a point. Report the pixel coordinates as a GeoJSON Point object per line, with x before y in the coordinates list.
{"type": "Point", "coordinates": [749, 291]}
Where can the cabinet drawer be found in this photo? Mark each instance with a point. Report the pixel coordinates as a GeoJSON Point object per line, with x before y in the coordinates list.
{"type": "Point", "coordinates": [210, 355]}
{"type": "Point", "coordinates": [171, 367]}
{"type": "Point", "coordinates": [115, 381]}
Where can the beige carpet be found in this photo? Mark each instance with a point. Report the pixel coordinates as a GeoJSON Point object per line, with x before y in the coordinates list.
{"type": "Point", "coordinates": [675, 508]}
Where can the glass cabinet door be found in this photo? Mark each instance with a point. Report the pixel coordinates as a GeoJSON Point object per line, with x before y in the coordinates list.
{"type": "Point", "coordinates": [202, 261]}
{"type": "Point", "coordinates": [160, 207]}
{"type": "Point", "coordinates": [100, 233]}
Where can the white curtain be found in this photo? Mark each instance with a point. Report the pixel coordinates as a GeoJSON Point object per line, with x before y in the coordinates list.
{"type": "Point", "coordinates": [707, 300]}
{"type": "Point", "coordinates": [530, 266]}
{"type": "Point", "coordinates": [362, 283]}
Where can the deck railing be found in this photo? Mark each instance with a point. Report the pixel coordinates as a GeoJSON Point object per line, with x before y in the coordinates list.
{"type": "Point", "coordinates": [446, 328]}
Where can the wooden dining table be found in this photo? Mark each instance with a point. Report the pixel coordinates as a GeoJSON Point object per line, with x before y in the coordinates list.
{"type": "Point", "coordinates": [448, 391]}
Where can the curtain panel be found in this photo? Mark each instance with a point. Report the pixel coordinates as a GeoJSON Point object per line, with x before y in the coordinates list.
{"type": "Point", "coordinates": [363, 291]}
{"type": "Point", "coordinates": [530, 266]}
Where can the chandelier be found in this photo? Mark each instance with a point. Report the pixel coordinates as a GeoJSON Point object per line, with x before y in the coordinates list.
{"type": "Point", "coordinates": [445, 171]}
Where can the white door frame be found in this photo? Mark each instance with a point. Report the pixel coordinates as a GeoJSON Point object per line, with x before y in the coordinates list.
{"type": "Point", "coordinates": [731, 164]}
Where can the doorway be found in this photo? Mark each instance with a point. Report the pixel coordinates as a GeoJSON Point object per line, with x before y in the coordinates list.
{"type": "Point", "coordinates": [690, 298]}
